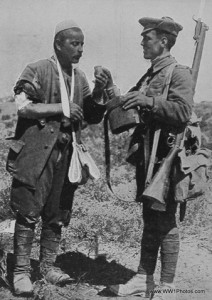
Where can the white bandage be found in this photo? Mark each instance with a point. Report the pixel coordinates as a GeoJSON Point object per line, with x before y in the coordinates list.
{"type": "Point", "coordinates": [21, 100]}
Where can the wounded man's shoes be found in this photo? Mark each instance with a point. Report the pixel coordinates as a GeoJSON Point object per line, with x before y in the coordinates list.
{"type": "Point", "coordinates": [22, 284]}
{"type": "Point", "coordinates": [56, 276]}
{"type": "Point", "coordinates": [139, 285]}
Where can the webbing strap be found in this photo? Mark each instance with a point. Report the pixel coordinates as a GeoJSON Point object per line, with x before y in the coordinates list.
{"type": "Point", "coordinates": [108, 153]}
{"type": "Point", "coordinates": [106, 133]}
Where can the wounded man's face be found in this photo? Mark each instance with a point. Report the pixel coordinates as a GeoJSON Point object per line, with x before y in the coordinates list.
{"type": "Point", "coordinates": [71, 48]}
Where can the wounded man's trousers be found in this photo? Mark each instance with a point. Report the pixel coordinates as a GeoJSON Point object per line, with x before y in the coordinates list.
{"type": "Point", "coordinates": [53, 196]}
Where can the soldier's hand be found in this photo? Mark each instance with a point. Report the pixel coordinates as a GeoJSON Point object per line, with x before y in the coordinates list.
{"type": "Point", "coordinates": [76, 112]}
{"type": "Point", "coordinates": [110, 79]}
{"type": "Point", "coordinates": [136, 99]}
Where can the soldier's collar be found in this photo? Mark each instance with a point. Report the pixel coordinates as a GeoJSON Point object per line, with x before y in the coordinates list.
{"type": "Point", "coordinates": [162, 62]}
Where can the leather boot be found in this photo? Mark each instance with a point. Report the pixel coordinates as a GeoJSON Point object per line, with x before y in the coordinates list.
{"type": "Point", "coordinates": [138, 285]}
{"type": "Point", "coordinates": [164, 291]}
{"type": "Point", "coordinates": [50, 240]}
{"type": "Point", "coordinates": [23, 238]}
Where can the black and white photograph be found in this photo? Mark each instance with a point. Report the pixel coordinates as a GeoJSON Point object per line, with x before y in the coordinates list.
{"type": "Point", "coordinates": [105, 149]}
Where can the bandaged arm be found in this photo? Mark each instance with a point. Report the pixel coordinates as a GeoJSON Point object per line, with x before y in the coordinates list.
{"type": "Point", "coordinates": [27, 109]}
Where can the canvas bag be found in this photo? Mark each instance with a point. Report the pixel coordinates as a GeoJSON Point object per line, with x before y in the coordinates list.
{"type": "Point", "coordinates": [190, 173]}
{"type": "Point", "coordinates": [82, 166]}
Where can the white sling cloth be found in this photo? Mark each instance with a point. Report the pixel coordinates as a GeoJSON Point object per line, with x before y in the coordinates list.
{"type": "Point", "coordinates": [82, 166]}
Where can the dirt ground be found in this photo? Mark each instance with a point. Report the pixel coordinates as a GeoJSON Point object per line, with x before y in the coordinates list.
{"type": "Point", "coordinates": [117, 261]}
{"type": "Point", "coordinates": [118, 264]}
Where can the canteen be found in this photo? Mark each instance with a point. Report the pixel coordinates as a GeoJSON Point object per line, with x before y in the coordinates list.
{"type": "Point", "coordinates": [120, 120]}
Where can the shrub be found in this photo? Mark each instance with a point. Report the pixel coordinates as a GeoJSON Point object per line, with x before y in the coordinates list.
{"type": "Point", "coordinates": [6, 212]}
{"type": "Point", "coordinates": [5, 117]}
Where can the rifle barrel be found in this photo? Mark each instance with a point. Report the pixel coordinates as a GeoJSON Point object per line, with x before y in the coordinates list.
{"type": "Point", "coordinates": [200, 38]}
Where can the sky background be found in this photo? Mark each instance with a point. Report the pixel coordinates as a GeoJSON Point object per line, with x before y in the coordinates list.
{"type": "Point", "coordinates": [112, 37]}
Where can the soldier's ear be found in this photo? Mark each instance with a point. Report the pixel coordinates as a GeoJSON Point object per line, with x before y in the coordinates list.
{"type": "Point", "coordinates": [164, 41]}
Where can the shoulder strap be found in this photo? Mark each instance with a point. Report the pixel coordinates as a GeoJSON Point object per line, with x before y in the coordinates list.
{"type": "Point", "coordinates": [106, 133]}
{"type": "Point", "coordinates": [158, 128]}
{"type": "Point", "coordinates": [168, 78]}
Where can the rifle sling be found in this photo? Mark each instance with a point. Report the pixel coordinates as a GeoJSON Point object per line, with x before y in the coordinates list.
{"type": "Point", "coordinates": [147, 137]}
{"type": "Point", "coordinates": [106, 135]}
{"type": "Point", "coordinates": [151, 160]}
{"type": "Point", "coordinates": [107, 152]}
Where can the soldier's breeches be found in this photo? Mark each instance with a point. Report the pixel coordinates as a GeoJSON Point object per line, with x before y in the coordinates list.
{"type": "Point", "coordinates": [149, 252]}
{"type": "Point", "coordinates": [169, 248]}
{"type": "Point", "coordinates": [160, 232]}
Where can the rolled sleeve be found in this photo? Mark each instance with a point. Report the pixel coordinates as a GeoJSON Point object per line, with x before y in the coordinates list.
{"type": "Point", "coordinates": [30, 83]}
{"type": "Point", "coordinates": [21, 101]}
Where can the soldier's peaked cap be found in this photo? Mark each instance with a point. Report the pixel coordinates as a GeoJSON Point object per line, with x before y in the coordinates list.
{"type": "Point", "coordinates": [165, 24]}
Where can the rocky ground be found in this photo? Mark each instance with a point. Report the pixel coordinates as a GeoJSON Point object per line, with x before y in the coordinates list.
{"type": "Point", "coordinates": [92, 276]}
{"type": "Point", "coordinates": [101, 245]}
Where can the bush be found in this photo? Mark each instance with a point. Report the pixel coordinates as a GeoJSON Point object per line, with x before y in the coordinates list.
{"type": "Point", "coordinates": [5, 212]}
{"type": "Point", "coordinates": [5, 117]}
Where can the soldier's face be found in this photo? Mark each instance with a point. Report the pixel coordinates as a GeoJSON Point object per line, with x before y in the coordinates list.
{"type": "Point", "coordinates": [152, 45]}
{"type": "Point", "coordinates": [71, 48]}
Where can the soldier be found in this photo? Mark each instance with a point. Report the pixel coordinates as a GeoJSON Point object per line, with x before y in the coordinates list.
{"type": "Point", "coordinates": [40, 155]}
{"type": "Point", "coordinates": [172, 112]}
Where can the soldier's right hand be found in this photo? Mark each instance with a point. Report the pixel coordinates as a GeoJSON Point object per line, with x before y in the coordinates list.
{"type": "Point", "coordinates": [76, 112]}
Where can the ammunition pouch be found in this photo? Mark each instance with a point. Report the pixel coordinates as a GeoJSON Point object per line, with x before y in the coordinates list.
{"type": "Point", "coordinates": [138, 141]}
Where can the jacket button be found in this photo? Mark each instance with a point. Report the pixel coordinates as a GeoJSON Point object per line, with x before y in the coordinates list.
{"type": "Point", "coordinates": [46, 146]}
{"type": "Point", "coordinates": [52, 130]}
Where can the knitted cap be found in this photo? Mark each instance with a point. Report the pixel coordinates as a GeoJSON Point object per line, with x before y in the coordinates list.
{"type": "Point", "coordinates": [66, 24]}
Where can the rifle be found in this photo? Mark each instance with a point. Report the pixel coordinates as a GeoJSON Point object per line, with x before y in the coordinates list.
{"type": "Point", "coordinates": [199, 37]}
{"type": "Point", "coordinates": [157, 189]}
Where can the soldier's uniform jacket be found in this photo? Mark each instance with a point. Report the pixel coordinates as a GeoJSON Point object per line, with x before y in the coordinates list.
{"type": "Point", "coordinates": [34, 139]}
{"type": "Point", "coordinates": [172, 112]}
{"type": "Point", "coordinates": [176, 109]}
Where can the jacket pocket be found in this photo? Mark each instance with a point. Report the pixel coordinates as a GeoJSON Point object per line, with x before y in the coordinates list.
{"type": "Point", "coordinates": [155, 89]}
{"type": "Point", "coordinates": [15, 149]}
